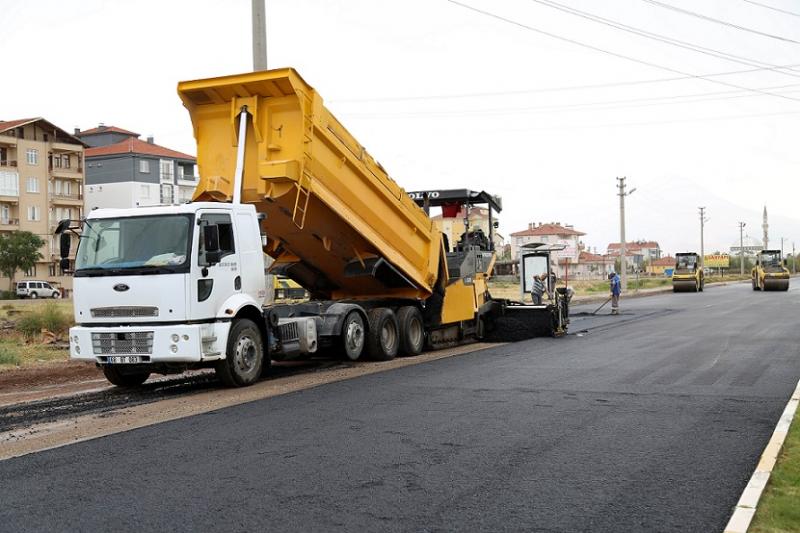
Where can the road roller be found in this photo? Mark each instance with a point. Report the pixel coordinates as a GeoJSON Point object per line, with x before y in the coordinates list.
{"type": "Point", "coordinates": [688, 274]}
{"type": "Point", "coordinates": [770, 272]}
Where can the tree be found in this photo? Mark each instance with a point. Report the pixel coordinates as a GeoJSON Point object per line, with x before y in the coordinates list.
{"type": "Point", "coordinates": [19, 250]}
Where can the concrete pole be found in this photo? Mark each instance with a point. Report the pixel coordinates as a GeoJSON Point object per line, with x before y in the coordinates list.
{"type": "Point", "coordinates": [702, 247]}
{"type": "Point", "coordinates": [259, 35]}
{"type": "Point", "coordinates": [794, 260]}
{"type": "Point", "coordinates": [623, 263]}
{"type": "Point", "coordinates": [741, 247]}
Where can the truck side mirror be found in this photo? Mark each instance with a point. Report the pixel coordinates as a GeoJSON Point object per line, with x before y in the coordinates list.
{"type": "Point", "coordinates": [211, 243]}
{"type": "Point", "coordinates": [64, 264]}
{"type": "Point", "coordinates": [64, 244]}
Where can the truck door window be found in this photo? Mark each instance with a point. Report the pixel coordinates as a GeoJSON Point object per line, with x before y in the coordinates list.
{"type": "Point", "coordinates": [226, 239]}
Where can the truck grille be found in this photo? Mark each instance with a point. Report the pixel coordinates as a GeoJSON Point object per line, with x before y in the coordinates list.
{"type": "Point", "coordinates": [129, 311]}
{"type": "Point", "coordinates": [288, 332]}
{"type": "Point", "coordinates": [134, 342]}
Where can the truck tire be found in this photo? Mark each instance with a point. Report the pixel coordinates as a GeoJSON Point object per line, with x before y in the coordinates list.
{"type": "Point", "coordinates": [33, 296]}
{"type": "Point", "coordinates": [383, 338]}
{"type": "Point", "coordinates": [244, 356]}
{"type": "Point", "coordinates": [352, 338]}
{"type": "Point", "coordinates": [412, 331]}
{"type": "Point", "coordinates": [122, 378]}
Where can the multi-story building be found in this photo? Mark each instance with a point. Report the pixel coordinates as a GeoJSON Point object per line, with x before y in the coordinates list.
{"type": "Point", "coordinates": [41, 183]}
{"type": "Point", "coordinates": [552, 233]}
{"type": "Point", "coordinates": [124, 171]}
{"type": "Point", "coordinates": [638, 254]}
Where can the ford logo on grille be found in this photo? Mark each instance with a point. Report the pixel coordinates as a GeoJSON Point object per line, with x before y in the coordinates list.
{"type": "Point", "coordinates": [121, 287]}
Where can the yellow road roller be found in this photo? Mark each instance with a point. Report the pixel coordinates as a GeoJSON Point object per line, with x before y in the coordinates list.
{"type": "Point", "coordinates": [688, 274]}
{"type": "Point", "coordinates": [770, 272]}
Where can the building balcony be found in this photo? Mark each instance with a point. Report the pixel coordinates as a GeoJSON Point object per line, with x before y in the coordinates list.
{"type": "Point", "coordinates": [69, 172]}
{"type": "Point", "coordinates": [67, 147]}
{"type": "Point", "coordinates": [7, 163]}
{"type": "Point", "coordinates": [9, 224]}
{"type": "Point", "coordinates": [8, 140]}
{"type": "Point", "coordinates": [7, 198]}
{"type": "Point", "coordinates": [66, 199]}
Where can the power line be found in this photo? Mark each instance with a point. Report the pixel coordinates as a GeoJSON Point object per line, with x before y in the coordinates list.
{"type": "Point", "coordinates": [614, 54]}
{"type": "Point", "coordinates": [598, 105]}
{"type": "Point", "coordinates": [661, 38]}
{"type": "Point", "coordinates": [556, 89]}
{"type": "Point", "coordinates": [773, 8]}
{"type": "Point", "coordinates": [718, 21]}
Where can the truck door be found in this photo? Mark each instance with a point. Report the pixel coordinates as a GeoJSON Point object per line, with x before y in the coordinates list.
{"type": "Point", "coordinates": [212, 284]}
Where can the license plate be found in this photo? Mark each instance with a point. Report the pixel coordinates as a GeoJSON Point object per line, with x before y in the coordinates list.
{"type": "Point", "coordinates": [124, 359]}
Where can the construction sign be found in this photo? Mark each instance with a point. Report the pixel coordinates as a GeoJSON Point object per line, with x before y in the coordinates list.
{"type": "Point", "coordinates": [717, 261]}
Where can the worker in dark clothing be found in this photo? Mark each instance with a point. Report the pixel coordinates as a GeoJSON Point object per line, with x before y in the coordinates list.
{"type": "Point", "coordinates": [616, 288]}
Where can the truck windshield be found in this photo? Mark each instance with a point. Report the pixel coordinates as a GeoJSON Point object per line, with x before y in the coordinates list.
{"type": "Point", "coordinates": [145, 244]}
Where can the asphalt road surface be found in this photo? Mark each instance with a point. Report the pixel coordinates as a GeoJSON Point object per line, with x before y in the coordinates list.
{"type": "Point", "coordinates": [649, 421]}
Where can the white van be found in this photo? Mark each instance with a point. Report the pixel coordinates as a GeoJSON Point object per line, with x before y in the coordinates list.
{"type": "Point", "coordinates": [36, 289]}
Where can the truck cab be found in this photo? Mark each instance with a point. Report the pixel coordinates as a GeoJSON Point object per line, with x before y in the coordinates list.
{"type": "Point", "coordinates": [160, 288]}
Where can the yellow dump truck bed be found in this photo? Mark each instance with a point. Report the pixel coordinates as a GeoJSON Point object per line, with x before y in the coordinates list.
{"type": "Point", "coordinates": [336, 222]}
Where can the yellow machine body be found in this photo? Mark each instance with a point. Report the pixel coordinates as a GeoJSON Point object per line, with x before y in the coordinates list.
{"type": "Point", "coordinates": [688, 274]}
{"type": "Point", "coordinates": [770, 272]}
{"type": "Point", "coordinates": [335, 221]}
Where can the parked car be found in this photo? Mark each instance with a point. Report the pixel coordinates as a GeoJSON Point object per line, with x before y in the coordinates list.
{"type": "Point", "coordinates": [36, 289]}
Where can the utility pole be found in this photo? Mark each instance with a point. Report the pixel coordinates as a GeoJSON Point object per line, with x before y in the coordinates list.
{"type": "Point", "coordinates": [259, 35]}
{"type": "Point", "coordinates": [622, 259]}
{"type": "Point", "coordinates": [703, 220]}
{"type": "Point", "coordinates": [741, 247]}
{"type": "Point", "coordinates": [781, 247]}
{"type": "Point", "coordinates": [794, 260]}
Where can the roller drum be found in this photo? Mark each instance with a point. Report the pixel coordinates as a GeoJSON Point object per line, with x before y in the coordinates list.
{"type": "Point", "coordinates": [687, 285]}
{"type": "Point", "coordinates": [776, 284]}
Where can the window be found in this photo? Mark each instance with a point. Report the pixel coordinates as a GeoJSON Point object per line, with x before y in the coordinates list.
{"type": "Point", "coordinates": [5, 213]}
{"type": "Point", "coordinates": [9, 183]}
{"type": "Point", "coordinates": [65, 159]}
{"type": "Point", "coordinates": [167, 168]}
{"type": "Point", "coordinates": [144, 166]}
{"type": "Point", "coordinates": [31, 273]}
{"type": "Point", "coordinates": [226, 242]}
{"type": "Point", "coordinates": [33, 212]}
{"type": "Point", "coordinates": [33, 156]}
{"type": "Point", "coordinates": [57, 161]}
{"type": "Point", "coordinates": [33, 185]}
{"type": "Point", "coordinates": [166, 194]}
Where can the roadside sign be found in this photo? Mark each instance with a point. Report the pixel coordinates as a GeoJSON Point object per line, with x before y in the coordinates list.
{"type": "Point", "coordinates": [718, 261]}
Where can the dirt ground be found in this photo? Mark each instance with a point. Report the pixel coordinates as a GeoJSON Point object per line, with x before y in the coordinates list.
{"type": "Point", "coordinates": [47, 374]}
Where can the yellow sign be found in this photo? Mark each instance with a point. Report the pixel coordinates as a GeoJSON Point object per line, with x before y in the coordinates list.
{"type": "Point", "coordinates": [718, 261]}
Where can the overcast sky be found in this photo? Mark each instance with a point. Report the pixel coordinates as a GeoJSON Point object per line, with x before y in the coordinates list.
{"type": "Point", "coordinates": [540, 108]}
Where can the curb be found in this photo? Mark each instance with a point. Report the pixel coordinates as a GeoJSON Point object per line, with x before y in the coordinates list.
{"type": "Point", "coordinates": [746, 507]}
{"type": "Point", "coordinates": [645, 292]}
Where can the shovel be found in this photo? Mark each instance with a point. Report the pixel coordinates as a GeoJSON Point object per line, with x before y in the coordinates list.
{"type": "Point", "coordinates": [599, 308]}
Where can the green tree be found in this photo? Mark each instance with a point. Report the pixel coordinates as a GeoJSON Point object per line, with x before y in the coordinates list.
{"type": "Point", "coordinates": [19, 250]}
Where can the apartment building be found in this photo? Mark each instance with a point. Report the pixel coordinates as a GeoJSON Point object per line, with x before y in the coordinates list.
{"type": "Point", "coordinates": [124, 171]}
{"type": "Point", "coordinates": [41, 183]}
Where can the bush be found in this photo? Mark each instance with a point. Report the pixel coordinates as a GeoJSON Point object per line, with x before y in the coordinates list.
{"type": "Point", "coordinates": [7, 357]}
{"type": "Point", "coordinates": [48, 316]}
{"type": "Point", "coordinates": [8, 295]}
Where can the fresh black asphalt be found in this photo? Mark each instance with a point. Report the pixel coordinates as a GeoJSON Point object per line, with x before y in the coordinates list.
{"type": "Point", "coordinates": [650, 421]}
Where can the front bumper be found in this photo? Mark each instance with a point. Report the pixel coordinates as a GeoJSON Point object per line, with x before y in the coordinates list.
{"type": "Point", "coordinates": [154, 344]}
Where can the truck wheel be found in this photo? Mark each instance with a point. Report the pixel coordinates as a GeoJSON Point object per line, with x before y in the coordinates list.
{"type": "Point", "coordinates": [33, 296]}
{"type": "Point", "coordinates": [123, 378]}
{"type": "Point", "coordinates": [244, 356]}
{"type": "Point", "coordinates": [383, 337]}
{"type": "Point", "coordinates": [412, 331]}
{"type": "Point", "coordinates": [352, 338]}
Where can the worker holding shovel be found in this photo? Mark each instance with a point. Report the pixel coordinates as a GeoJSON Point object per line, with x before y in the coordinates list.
{"type": "Point", "coordinates": [616, 289]}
